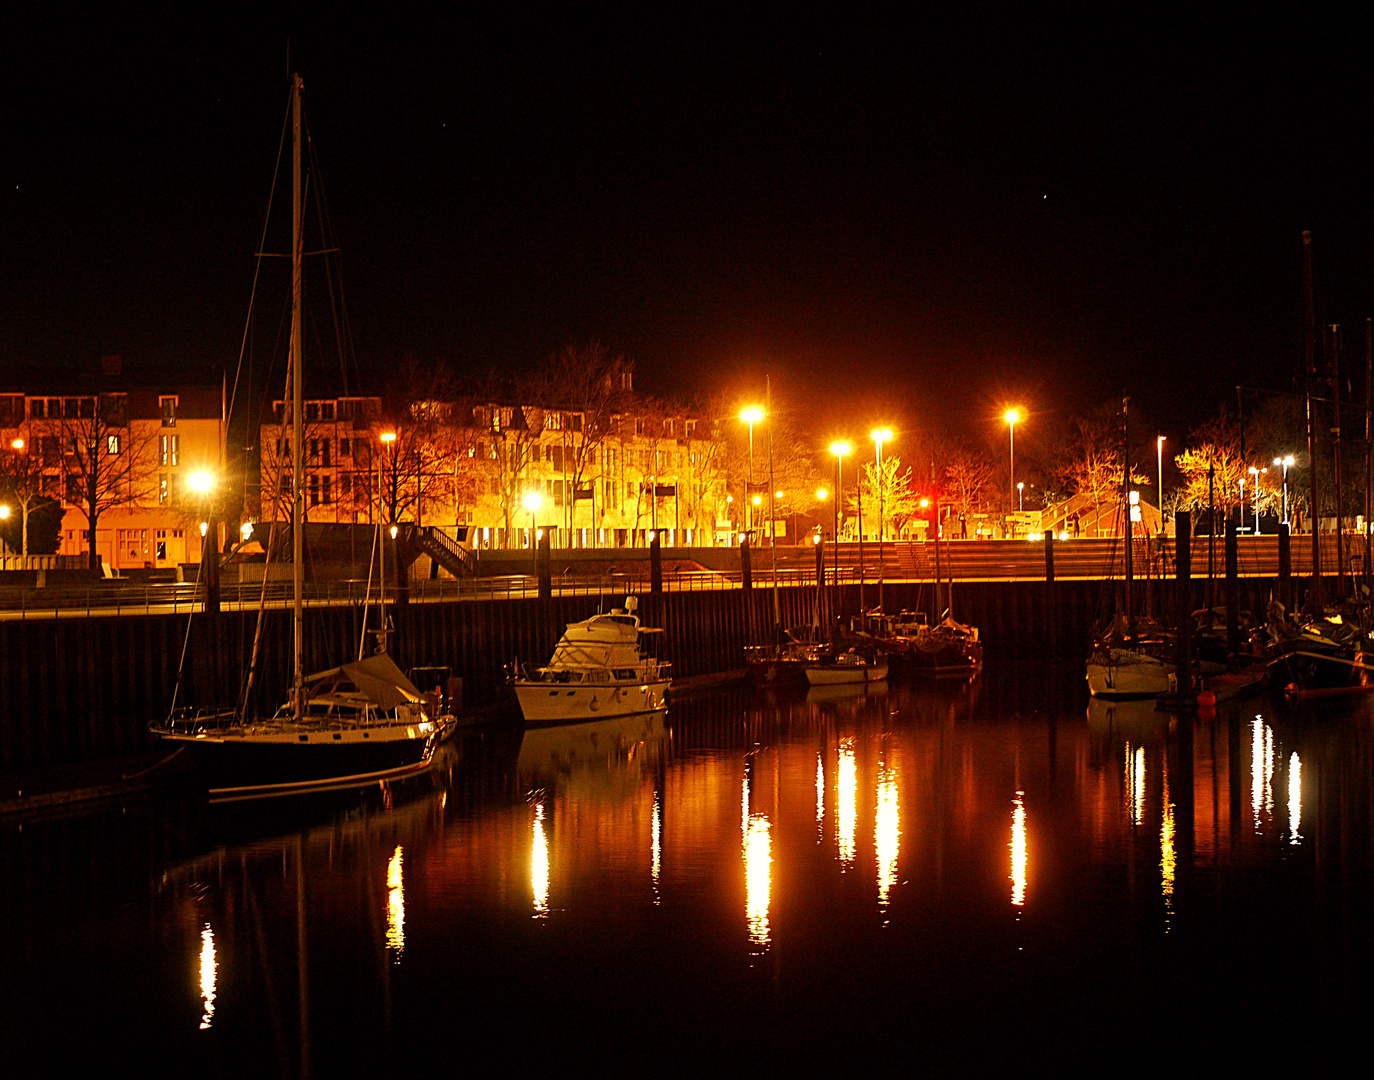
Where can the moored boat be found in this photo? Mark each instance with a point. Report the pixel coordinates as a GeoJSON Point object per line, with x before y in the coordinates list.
{"type": "Point", "coordinates": [847, 667]}
{"type": "Point", "coordinates": [597, 671]}
{"type": "Point", "coordinates": [350, 725]}
{"type": "Point", "coordinates": [1121, 673]}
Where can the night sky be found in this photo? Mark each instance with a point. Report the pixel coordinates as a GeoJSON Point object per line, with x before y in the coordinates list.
{"type": "Point", "coordinates": [917, 219]}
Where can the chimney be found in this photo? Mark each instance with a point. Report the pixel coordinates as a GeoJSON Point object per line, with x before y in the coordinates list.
{"type": "Point", "coordinates": [112, 366]}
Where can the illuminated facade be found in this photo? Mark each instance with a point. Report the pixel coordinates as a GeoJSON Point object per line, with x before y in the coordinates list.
{"type": "Point", "coordinates": [475, 465]}
{"type": "Point", "coordinates": [133, 445]}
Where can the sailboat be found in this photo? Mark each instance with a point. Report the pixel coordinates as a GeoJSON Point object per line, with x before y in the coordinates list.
{"type": "Point", "coordinates": [350, 725]}
{"type": "Point", "coordinates": [1120, 666]}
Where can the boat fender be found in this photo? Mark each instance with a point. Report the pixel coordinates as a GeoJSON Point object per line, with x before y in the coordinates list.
{"type": "Point", "coordinates": [594, 705]}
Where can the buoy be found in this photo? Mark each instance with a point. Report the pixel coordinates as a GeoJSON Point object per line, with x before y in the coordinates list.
{"type": "Point", "coordinates": [1206, 700]}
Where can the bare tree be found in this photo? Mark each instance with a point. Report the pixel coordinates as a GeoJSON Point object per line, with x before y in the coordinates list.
{"type": "Point", "coordinates": [889, 494]}
{"type": "Point", "coordinates": [21, 479]}
{"type": "Point", "coordinates": [968, 479]}
{"type": "Point", "coordinates": [588, 387]}
{"type": "Point", "coordinates": [419, 457]}
{"type": "Point", "coordinates": [108, 463]}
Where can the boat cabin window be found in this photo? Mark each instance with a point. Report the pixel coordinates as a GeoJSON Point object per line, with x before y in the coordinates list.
{"type": "Point", "coordinates": [624, 673]}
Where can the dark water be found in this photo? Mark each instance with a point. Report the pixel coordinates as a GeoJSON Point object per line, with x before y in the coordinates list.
{"type": "Point", "coordinates": [954, 878]}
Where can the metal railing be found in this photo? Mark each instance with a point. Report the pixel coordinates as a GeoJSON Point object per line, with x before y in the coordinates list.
{"type": "Point", "coordinates": [968, 561]}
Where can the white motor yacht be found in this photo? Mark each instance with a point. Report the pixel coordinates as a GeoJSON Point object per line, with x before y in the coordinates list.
{"type": "Point", "coordinates": [597, 671]}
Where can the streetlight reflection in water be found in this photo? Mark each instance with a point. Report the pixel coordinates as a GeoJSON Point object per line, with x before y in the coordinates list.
{"type": "Point", "coordinates": [1018, 850]}
{"type": "Point", "coordinates": [846, 803]}
{"type": "Point", "coordinates": [395, 907]}
{"type": "Point", "coordinates": [208, 968]}
{"type": "Point", "coordinates": [1294, 800]}
{"type": "Point", "coordinates": [539, 865]}
{"type": "Point", "coordinates": [887, 832]}
{"type": "Point", "coordinates": [1261, 770]}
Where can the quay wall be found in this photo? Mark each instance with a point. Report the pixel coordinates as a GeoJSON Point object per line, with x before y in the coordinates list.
{"type": "Point", "coordinates": [77, 689]}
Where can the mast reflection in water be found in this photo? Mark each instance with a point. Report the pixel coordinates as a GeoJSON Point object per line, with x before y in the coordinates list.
{"type": "Point", "coordinates": [682, 849]}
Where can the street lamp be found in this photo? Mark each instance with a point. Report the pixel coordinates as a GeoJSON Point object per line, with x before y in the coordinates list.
{"type": "Point", "coordinates": [751, 416]}
{"type": "Point", "coordinates": [1254, 497]}
{"type": "Point", "coordinates": [389, 441]}
{"type": "Point", "coordinates": [839, 448]}
{"type": "Point", "coordinates": [1242, 505]}
{"type": "Point", "coordinates": [1020, 498]}
{"type": "Point", "coordinates": [201, 483]}
{"type": "Point", "coordinates": [1012, 417]}
{"type": "Point", "coordinates": [880, 436]}
{"type": "Point", "coordinates": [1285, 461]}
{"type": "Point", "coordinates": [533, 501]}
{"type": "Point", "coordinates": [1159, 452]}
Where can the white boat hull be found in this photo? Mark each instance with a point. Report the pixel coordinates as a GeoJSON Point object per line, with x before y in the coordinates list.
{"type": "Point", "coordinates": [563, 703]}
{"type": "Point", "coordinates": [1134, 677]}
{"type": "Point", "coordinates": [840, 674]}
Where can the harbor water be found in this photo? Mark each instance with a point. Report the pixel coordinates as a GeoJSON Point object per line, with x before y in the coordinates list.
{"type": "Point", "coordinates": [954, 876]}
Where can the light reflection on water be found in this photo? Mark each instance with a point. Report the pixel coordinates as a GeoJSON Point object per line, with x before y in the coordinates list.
{"type": "Point", "coordinates": [686, 855]}
{"type": "Point", "coordinates": [1019, 850]}
{"type": "Point", "coordinates": [208, 968]}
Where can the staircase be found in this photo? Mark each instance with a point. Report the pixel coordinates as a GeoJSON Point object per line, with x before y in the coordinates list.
{"type": "Point", "coordinates": [444, 550]}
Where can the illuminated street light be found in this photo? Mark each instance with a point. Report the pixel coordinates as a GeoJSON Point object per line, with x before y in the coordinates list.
{"type": "Point", "coordinates": [751, 416]}
{"type": "Point", "coordinates": [839, 448]}
{"type": "Point", "coordinates": [880, 436]}
{"type": "Point", "coordinates": [246, 531]}
{"type": "Point", "coordinates": [532, 502]}
{"type": "Point", "coordinates": [1020, 498]}
{"type": "Point", "coordinates": [201, 482]}
{"type": "Point", "coordinates": [1012, 417]}
{"type": "Point", "coordinates": [18, 444]}
{"type": "Point", "coordinates": [1159, 451]}
{"type": "Point", "coordinates": [1285, 461]}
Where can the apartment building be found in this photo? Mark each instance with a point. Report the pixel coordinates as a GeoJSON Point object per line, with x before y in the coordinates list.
{"type": "Point", "coordinates": [496, 470]}
{"type": "Point", "coordinates": [125, 446]}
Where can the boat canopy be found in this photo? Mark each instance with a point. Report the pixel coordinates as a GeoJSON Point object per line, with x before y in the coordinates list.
{"type": "Point", "coordinates": [375, 677]}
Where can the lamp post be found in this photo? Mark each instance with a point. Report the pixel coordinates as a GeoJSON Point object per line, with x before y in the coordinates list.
{"type": "Point", "coordinates": [202, 483]}
{"type": "Point", "coordinates": [18, 446]}
{"type": "Point", "coordinates": [532, 502]}
{"type": "Point", "coordinates": [1012, 417]}
{"type": "Point", "coordinates": [881, 436]}
{"type": "Point", "coordinates": [4, 516]}
{"type": "Point", "coordinates": [1020, 498]}
{"type": "Point", "coordinates": [1241, 528]}
{"type": "Point", "coordinates": [1285, 461]}
{"type": "Point", "coordinates": [389, 441]}
{"type": "Point", "coordinates": [1254, 495]}
{"type": "Point", "coordinates": [1159, 452]}
{"type": "Point", "coordinates": [750, 416]}
{"type": "Point", "coordinates": [839, 449]}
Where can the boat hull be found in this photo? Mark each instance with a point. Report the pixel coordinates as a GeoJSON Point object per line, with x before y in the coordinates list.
{"type": "Point", "coordinates": [252, 766]}
{"type": "Point", "coordinates": [562, 703]}
{"type": "Point", "coordinates": [1135, 676]}
{"type": "Point", "coordinates": [842, 674]}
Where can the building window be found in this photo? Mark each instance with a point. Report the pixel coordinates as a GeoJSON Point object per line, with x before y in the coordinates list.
{"type": "Point", "coordinates": [312, 410]}
{"type": "Point", "coordinates": [164, 490]}
{"type": "Point", "coordinates": [168, 407]}
{"type": "Point", "coordinates": [169, 450]}
{"type": "Point", "coordinates": [639, 426]}
{"type": "Point", "coordinates": [345, 448]}
{"type": "Point", "coordinates": [38, 409]}
{"type": "Point", "coordinates": [325, 495]}
{"type": "Point", "coordinates": [689, 428]}
{"type": "Point", "coordinates": [314, 490]}
{"type": "Point", "coordinates": [112, 445]}
{"type": "Point", "coordinates": [326, 410]}
{"type": "Point", "coordinates": [74, 490]}
{"type": "Point", "coordinates": [114, 409]}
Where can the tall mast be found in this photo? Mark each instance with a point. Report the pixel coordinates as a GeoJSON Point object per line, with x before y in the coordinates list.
{"type": "Point", "coordinates": [1368, 379]}
{"type": "Point", "coordinates": [1309, 328]}
{"type": "Point", "coordinates": [1126, 509]}
{"type": "Point", "coordinates": [1336, 456]}
{"type": "Point", "coordinates": [297, 411]}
